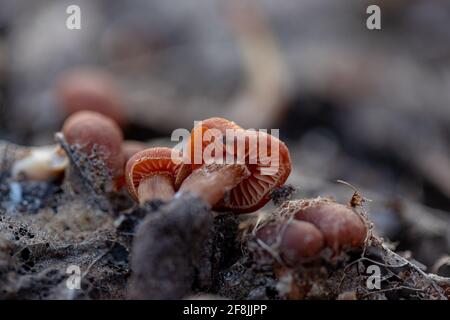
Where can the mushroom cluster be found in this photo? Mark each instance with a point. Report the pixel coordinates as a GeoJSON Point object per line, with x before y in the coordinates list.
{"type": "Point", "coordinates": [243, 185]}
{"type": "Point", "coordinates": [235, 172]}
{"type": "Point", "coordinates": [253, 191]}
{"type": "Point", "coordinates": [239, 186]}
{"type": "Point", "coordinates": [306, 227]}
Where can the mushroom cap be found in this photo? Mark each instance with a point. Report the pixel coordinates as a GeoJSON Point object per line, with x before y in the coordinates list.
{"type": "Point", "coordinates": [254, 191]}
{"type": "Point", "coordinates": [340, 225]}
{"type": "Point", "coordinates": [299, 239]}
{"type": "Point", "coordinates": [149, 162]}
{"type": "Point", "coordinates": [266, 173]}
{"type": "Point", "coordinates": [212, 123]}
{"type": "Point", "coordinates": [87, 129]}
{"type": "Point", "coordinates": [91, 89]}
{"type": "Point", "coordinates": [220, 124]}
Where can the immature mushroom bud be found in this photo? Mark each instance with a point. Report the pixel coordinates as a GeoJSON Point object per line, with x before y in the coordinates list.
{"type": "Point", "coordinates": [95, 135]}
{"type": "Point", "coordinates": [91, 90]}
{"type": "Point", "coordinates": [340, 225]}
{"type": "Point", "coordinates": [268, 169]}
{"type": "Point", "coordinates": [308, 226]}
{"type": "Point", "coordinates": [150, 174]}
{"type": "Point", "coordinates": [296, 240]}
{"type": "Point", "coordinates": [41, 163]}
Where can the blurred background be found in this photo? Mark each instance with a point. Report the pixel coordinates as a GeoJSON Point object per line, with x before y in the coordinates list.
{"type": "Point", "coordinates": [371, 107]}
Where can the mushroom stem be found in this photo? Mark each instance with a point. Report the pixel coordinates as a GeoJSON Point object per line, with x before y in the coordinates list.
{"type": "Point", "coordinates": [212, 182]}
{"type": "Point", "coordinates": [155, 187]}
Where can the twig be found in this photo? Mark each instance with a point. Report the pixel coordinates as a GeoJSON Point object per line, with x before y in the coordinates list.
{"type": "Point", "coordinates": [101, 256]}
{"type": "Point", "coordinates": [392, 289]}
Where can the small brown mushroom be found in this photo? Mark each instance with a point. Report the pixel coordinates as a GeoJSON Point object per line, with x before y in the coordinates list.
{"type": "Point", "coordinates": [196, 145]}
{"type": "Point", "coordinates": [340, 225]}
{"type": "Point", "coordinates": [150, 174]}
{"type": "Point", "coordinates": [95, 135]}
{"type": "Point", "coordinates": [307, 226]}
{"type": "Point", "coordinates": [296, 240]}
{"type": "Point", "coordinates": [253, 192]}
{"type": "Point", "coordinates": [198, 135]}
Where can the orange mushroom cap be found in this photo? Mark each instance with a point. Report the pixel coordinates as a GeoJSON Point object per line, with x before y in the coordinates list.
{"type": "Point", "coordinates": [266, 173]}
{"type": "Point", "coordinates": [254, 191]}
{"type": "Point", "coordinates": [87, 129]}
{"type": "Point", "coordinates": [197, 134]}
{"type": "Point", "coordinates": [212, 123]}
{"type": "Point", "coordinates": [147, 163]}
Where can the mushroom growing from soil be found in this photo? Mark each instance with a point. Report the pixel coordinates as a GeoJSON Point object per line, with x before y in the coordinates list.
{"type": "Point", "coordinates": [97, 138]}
{"type": "Point", "coordinates": [295, 240]}
{"type": "Point", "coordinates": [341, 225]}
{"type": "Point", "coordinates": [267, 170]}
{"type": "Point", "coordinates": [307, 226]}
{"type": "Point", "coordinates": [150, 174]}
{"type": "Point", "coordinates": [221, 125]}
